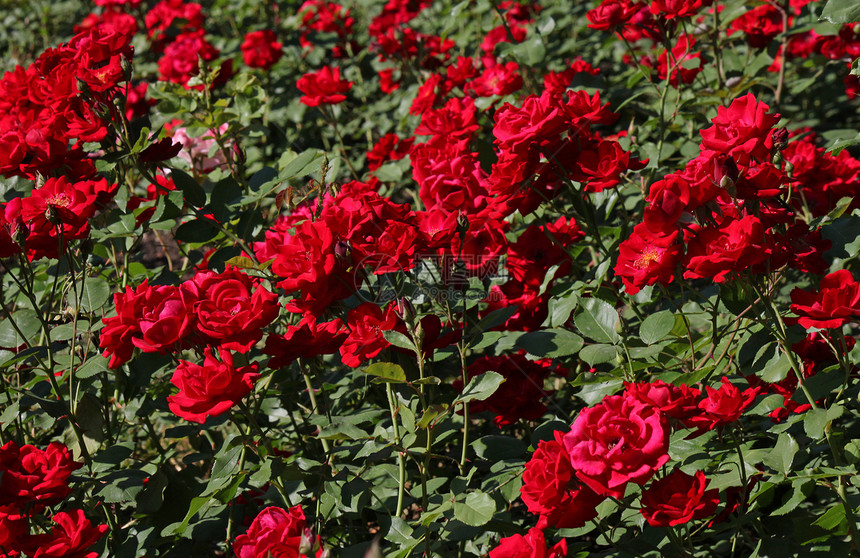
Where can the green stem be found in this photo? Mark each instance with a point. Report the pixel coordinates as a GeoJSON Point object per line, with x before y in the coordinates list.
{"type": "Point", "coordinates": [401, 459]}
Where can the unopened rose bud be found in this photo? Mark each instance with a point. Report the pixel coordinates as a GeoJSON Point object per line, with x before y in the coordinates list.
{"type": "Point", "coordinates": [462, 223]}
{"type": "Point", "coordinates": [727, 183]}
{"type": "Point", "coordinates": [83, 88]}
{"type": "Point", "coordinates": [20, 232]}
{"type": "Point", "coordinates": [308, 542]}
{"type": "Point", "coordinates": [127, 67]}
{"type": "Point", "coordinates": [789, 168]}
{"type": "Point", "coordinates": [406, 310]}
{"type": "Point", "coordinates": [53, 216]}
{"type": "Point", "coordinates": [777, 158]}
{"type": "Point", "coordinates": [780, 139]}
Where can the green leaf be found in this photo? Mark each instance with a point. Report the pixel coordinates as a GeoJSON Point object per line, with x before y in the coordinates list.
{"type": "Point", "coordinates": [552, 343]}
{"type": "Point", "coordinates": [656, 327]}
{"type": "Point", "coordinates": [776, 369]}
{"type": "Point", "coordinates": [496, 448]}
{"type": "Point", "coordinates": [481, 387]}
{"type": "Point", "coordinates": [832, 518]}
{"type": "Point", "coordinates": [598, 354]}
{"type": "Point", "coordinates": [387, 372]}
{"type": "Point", "coordinates": [304, 163]}
{"type": "Point", "coordinates": [398, 339]}
{"type": "Point", "coordinates": [27, 322]}
{"type": "Point", "coordinates": [476, 510]}
{"type": "Point", "coordinates": [198, 230]}
{"type": "Point", "coordinates": [191, 189]}
{"type": "Point", "coordinates": [598, 321]}
{"type": "Point", "coordinates": [431, 413]}
{"type": "Point", "coordinates": [96, 293]}
{"type": "Point", "coordinates": [227, 460]}
{"type": "Point", "coordinates": [841, 11]}
{"type": "Point", "coordinates": [783, 454]}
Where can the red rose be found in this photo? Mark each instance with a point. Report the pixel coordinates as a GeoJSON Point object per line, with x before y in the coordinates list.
{"type": "Point", "coordinates": [533, 545]}
{"type": "Point", "coordinates": [166, 317]}
{"type": "Point", "coordinates": [212, 389]}
{"type": "Point", "coordinates": [323, 87]}
{"type": "Point", "coordinates": [721, 406]}
{"type": "Point", "coordinates": [306, 339]}
{"type": "Point", "coordinates": [678, 402]}
{"type": "Point", "coordinates": [678, 498]}
{"type": "Point", "coordinates": [742, 130]}
{"type": "Point", "coordinates": [71, 538]}
{"type": "Point", "coordinates": [261, 49]}
{"type": "Point", "coordinates": [761, 25]}
{"type": "Point", "coordinates": [551, 490]}
{"type": "Point", "coordinates": [366, 323]}
{"type": "Point", "coordinates": [275, 533]}
{"type": "Point", "coordinates": [612, 13]}
{"type": "Point", "coordinates": [13, 530]}
{"type": "Point", "coordinates": [677, 8]}
{"type": "Point", "coordinates": [31, 475]}
{"type": "Point", "coordinates": [646, 258]}
{"type": "Point", "coordinates": [836, 302]}
{"type": "Point", "coordinates": [233, 308]}
{"type": "Point", "coordinates": [616, 442]}
{"type": "Point", "coordinates": [734, 246]}
{"type": "Point", "coordinates": [181, 59]}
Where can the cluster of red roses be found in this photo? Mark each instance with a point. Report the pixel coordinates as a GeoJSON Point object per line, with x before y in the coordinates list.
{"type": "Point", "coordinates": [225, 310]}
{"type": "Point", "coordinates": [625, 439]}
{"type": "Point", "coordinates": [62, 100]}
{"type": "Point", "coordinates": [761, 24]}
{"type": "Point", "coordinates": [33, 480]}
{"type": "Point", "coordinates": [723, 213]}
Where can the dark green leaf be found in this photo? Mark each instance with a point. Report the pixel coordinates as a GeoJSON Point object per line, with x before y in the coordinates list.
{"type": "Point", "coordinates": [198, 230]}
{"type": "Point", "coordinates": [841, 11]}
{"type": "Point", "coordinates": [28, 323]}
{"type": "Point", "coordinates": [387, 372]}
{"type": "Point", "coordinates": [656, 327]}
{"type": "Point", "coordinates": [476, 510]}
{"type": "Point", "coordinates": [598, 354]}
{"type": "Point", "coordinates": [191, 189]}
{"type": "Point", "coordinates": [481, 387]}
{"type": "Point", "coordinates": [551, 343]}
{"type": "Point", "coordinates": [597, 321]}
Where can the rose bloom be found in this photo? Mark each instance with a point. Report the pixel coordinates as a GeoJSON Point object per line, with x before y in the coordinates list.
{"type": "Point", "coordinates": [366, 323]}
{"type": "Point", "coordinates": [742, 130]}
{"type": "Point", "coordinates": [612, 13]}
{"type": "Point", "coordinates": [835, 304]}
{"type": "Point", "coordinates": [212, 389]}
{"type": "Point", "coordinates": [647, 258]}
{"type": "Point", "coordinates": [324, 87]}
{"type": "Point", "coordinates": [13, 530]}
{"type": "Point", "coordinates": [617, 441]}
{"type": "Point", "coordinates": [734, 246]}
{"type": "Point", "coordinates": [678, 498]}
{"type": "Point", "coordinates": [31, 475]}
{"type": "Point", "coordinates": [533, 545]}
{"type": "Point", "coordinates": [233, 308]}
{"type": "Point", "coordinates": [721, 406]}
{"type": "Point", "coordinates": [261, 49]}
{"type": "Point", "coordinates": [677, 402]}
{"type": "Point", "coordinates": [275, 533]}
{"type": "Point", "coordinates": [72, 537]}
{"type": "Point", "coordinates": [551, 490]}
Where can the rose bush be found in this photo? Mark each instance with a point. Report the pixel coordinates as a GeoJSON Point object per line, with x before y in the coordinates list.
{"type": "Point", "coordinates": [506, 279]}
